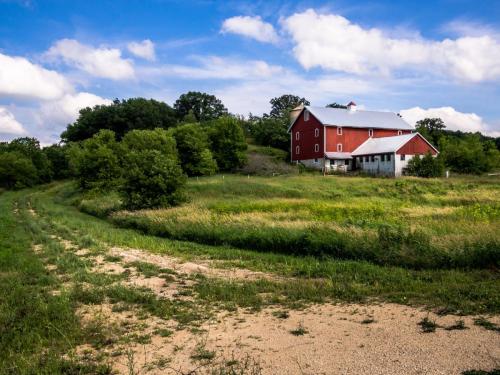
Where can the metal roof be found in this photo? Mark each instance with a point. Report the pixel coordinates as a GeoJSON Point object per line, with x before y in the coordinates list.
{"type": "Point", "coordinates": [338, 155]}
{"type": "Point", "coordinates": [383, 145]}
{"type": "Point", "coordinates": [359, 118]}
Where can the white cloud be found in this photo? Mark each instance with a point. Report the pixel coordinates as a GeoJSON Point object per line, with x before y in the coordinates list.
{"type": "Point", "coordinates": [252, 27]}
{"type": "Point", "coordinates": [144, 49]}
{"type": "Point", "coordinates": [9, 124]}
{"type": "Point", "coordinates": [333, 42]}
{"type": "Point", "coordinates": [453, 119]}
{"type": "Point", "coordinates": [66, 110]}
{"type": "Point", "coordinates": [99, 62]}
{"type": "Point", "coordinates": [214, 67]}
{"type": "Point", "coordinates": [23, 79]}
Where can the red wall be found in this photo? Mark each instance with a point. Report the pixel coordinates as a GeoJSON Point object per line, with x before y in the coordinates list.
{"type": "Point", "coordinates": [352, 138]}
{"type": "Point", "coordinates": [416, 146]}
{"type": "Point", "coordinates": [307, 139]}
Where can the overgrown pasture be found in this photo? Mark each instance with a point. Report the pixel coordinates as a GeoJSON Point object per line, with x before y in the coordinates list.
{"type": "Point", "coordinates": [409, 222]}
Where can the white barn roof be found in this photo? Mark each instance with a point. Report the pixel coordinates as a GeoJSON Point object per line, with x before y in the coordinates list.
{"type": "Point", "coordinates": [384, 145]}
{"type": "Point", "coordinates": [359, 118]}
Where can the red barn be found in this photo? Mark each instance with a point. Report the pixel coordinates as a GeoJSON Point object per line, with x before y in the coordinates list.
{"type": "Point", "coordinates": [347, 139]}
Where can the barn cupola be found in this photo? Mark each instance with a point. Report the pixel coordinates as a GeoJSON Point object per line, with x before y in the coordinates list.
{"type": "Point", "coordinates": [351, 106]}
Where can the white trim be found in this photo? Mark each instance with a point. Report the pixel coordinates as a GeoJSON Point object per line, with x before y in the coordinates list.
{"type": "Point", "coordinates": [339, 149]}
{"type": "Point", "coordinates": [400, 132]}
{"type": "Point", "coordinates": [339, 130]}
{"type": "Point", "coordinates": [316, 132]}
{"type": "Point", "coordinates": [306, 115]}
{"type": "Point", "coordinates": [316, 147]}
{"type": "Point", "coordinates": [370, 132]}
{"type": "Point", "coordinates": [297, 136]}
{"type": "Point", "coordinates": [324, 139]}
{"type": "Point", "coordinates": [297, 150]}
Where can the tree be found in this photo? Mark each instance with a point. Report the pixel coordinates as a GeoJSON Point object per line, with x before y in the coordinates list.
{"type": "Point", "coordinates": [203, 106]}
{"type": "Point", "coordinates": [271, 132]}
{"type": "Point", "coordinates": [17, 170]}
{"type": "Point", "coordinates": [152, 175]}
{"type": "Point", "coordinates": [427, 166]}
{"type": "Point", "coordinates": [59, 160]}
{"type": "Point", "coordinates": [282, 105]}
{"type": "Point", "coordinates": [120, 117]}
{"type": "Point", "coordinates": [194, 153]}
{"type": "Point", "coordinates": [227, 143]}
{"type": "Point", "coordinates": [336, 105]}
{"type": "Point", "coordinates": [96, 161]}
{"type": "Point", "coordinates": [431, 129]}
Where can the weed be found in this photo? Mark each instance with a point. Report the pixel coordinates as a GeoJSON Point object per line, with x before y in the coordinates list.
{"type": "Point", "coordinates": [163, 332]}
{"type": "Point", "coordinates": [459, 325]}
{"type": "Point", "coordinates": [427, 325]}
{"type": "Point", "coordinates": [281, 314]}
{"type": "Point", "coordinates": [486, 324]}
{"type": "Point", "coordinates": [201, 353]}
{"type": "Point", "coordinates": [368, 321]}
{"type": "Point", "coordinates": [299, 331]}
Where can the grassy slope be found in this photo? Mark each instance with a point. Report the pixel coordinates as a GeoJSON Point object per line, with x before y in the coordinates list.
{"type": "Point", "coordinates": [465, 291]}
{"type": "Point", "coordinates": [409, 222]}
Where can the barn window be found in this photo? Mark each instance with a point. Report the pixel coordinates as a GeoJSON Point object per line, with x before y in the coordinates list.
{"type": "Point", "coordinates": [388, 157]}
{"type": "Point", "coordinates": [339, 131]}
{"type": "Point", "coordinates": [370, 132]}
{"type": "Point", "coordinates": [373, 158]}
{"type": "Point", "coordinates": [297, 136]}
{"type": "Point", "coordinates": [403, 156]}
{"type": "Point", "coordinates": [367, 159]}
{"type": "Point", "coordinates": [347, 162]}
{"type": "Point", "coordinates": [339, 147]}
{"type": "Point", "coordinates": [306, 115]}
{"type": "Point", "coordinates": [360, 159]}
{"type": "Point", "coordinates": [316, 161]}
{"type": "Point", "coordinates": [316, 132]}
{"type": "Point", "coordinates": [400, 132]}
{"type": "Point", "coordinates": [382, 158]}
{"type": "Point", "coordinates": [316, 147]}
{"type": "Point", "coordinates": [297, 150]}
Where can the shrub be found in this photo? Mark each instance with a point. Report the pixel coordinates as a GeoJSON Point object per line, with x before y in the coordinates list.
{"type": "Point", "coordinates": [428, 166]}
{"type": "Point", "coordinates": [152, 175]}
{"type": "Point", "coordinates": [16, 171]}
{"type": "Point", "coordinates": [227, 143]}
{"type": "Point", "coordinates": [194, 153]}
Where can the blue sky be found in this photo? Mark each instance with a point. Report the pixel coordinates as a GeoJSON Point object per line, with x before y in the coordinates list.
{"type": "Point", "coordinates": [427, 58]}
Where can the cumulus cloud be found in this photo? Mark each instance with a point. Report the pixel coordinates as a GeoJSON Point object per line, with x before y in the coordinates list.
{"type": "Point", "coordinates": [66, 110]}
{"type": "Point", "coordinates": [144, 49]}
{"type": "Point", "coordinates": [214, 67]}
{"type": "Point", "coordinates": [9, 124]}
{"type": "Point", "coordinates": [333, 42]}
{"type": "Point", "coordinates": [453, 119]}
{"type": "Point", "coordinates": [251, 27]}
{"type": "Point", "coordinates": [22, 79]}
{"type": "Point", "coordinates": [99, 62]}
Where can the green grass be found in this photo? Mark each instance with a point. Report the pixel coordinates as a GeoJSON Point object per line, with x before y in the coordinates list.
{"type": "Point", "coordinates": [408, 222]}
{"type": "Point", "coordinates": [315, 280]}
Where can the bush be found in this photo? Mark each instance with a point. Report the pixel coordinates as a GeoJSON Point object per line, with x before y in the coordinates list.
{"type": "Point", "coordinates": [96, 162]}
{"type": "Point", "coordinates": [194, 153]}
{"type": "Point", "coordinates": [227, 142]}
{"type": "Point", "coordinates": [59, 161]}
{"type": "Point", "coordinates": [428, 166]}
{"type": "Point", "coordinates": [152, 175]}
{"type": "Point", "coordinates": [16, 171]}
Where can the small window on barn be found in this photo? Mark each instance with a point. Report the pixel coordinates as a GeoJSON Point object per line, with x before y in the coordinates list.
{"type": "Point", "coordinates": [400, 132]}
{"type": "Point", "coordinates": [297, 150]}
{"type": "Point", "coordinates": [316, 132]}
{"type": "Point", "coordinates": [370, 132]}
{"type": "Point", "coordinates": [306, 115]}
{"type": "Point", "coordinates": [347, 162]}
{"type": "Point", "coordinates": [316, 147]}
{"type": "Point", "coordinates": [373, 158]}
{"type": "Point", "coordinates": [316, 161]}
{"type": "Point", "coordinates": [403, 156]}
{"type": "Point", "coordinates": [388, 157]}
{"type": "Point", "coordinates": [367, 159]}
{"type": "Point", "coordinates": [339, 130]}
{"type": "Point", "coordinates": [297, 136]}
{"type": "Point", "coordinates": [360, 159]}
{"type": "Point", "coordinates": [339, 147]}
{"type": "Point", "coordinates": [382, 158]}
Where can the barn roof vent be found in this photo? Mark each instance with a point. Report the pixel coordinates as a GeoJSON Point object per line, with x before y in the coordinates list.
{"type": "Point", "coordinates": [351, 106]}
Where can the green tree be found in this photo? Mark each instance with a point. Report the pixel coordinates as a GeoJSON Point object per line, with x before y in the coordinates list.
{"type": "Point", "coordinates": [203, 106]}
{"type": "Point", "coordinates": [431, 129]}
{"type": "Point", "coordinates": [152, 175]}
{"type": "Point", "coordinates": [96, 162]}
{"type": "Point", "coordinates": [59, 160]}
{"type": "Point", "coordinates": [282, 105]}
{"type": "Point", "coordinates": [16, 170]}
{"type": "Point", "coordinates": [427, 166]}
{"type": "Point", "coordinates": [194, 153]}
{"type": "Point", "coordinates": [30, 147]}
{"type": "Point", "coordinates": [227, 143]}
{"type": "Point", "coordinates": [120, 117]}
{"type": "Point", "coordinates": [272, 132]}
{"type": "Point", "coordinates": [336, 105]}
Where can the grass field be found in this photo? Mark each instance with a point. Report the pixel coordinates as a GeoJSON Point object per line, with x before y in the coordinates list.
{"type": "Point", "coordinates": [405, 222]}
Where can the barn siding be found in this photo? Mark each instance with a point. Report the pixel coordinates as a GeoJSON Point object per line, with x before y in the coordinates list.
{"type": "Point", "coordinates": [416, 146]}
{"type": "Point", "coordinates": [307, 139]}
{"type": "Point", "coordinates": [352, 138]}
